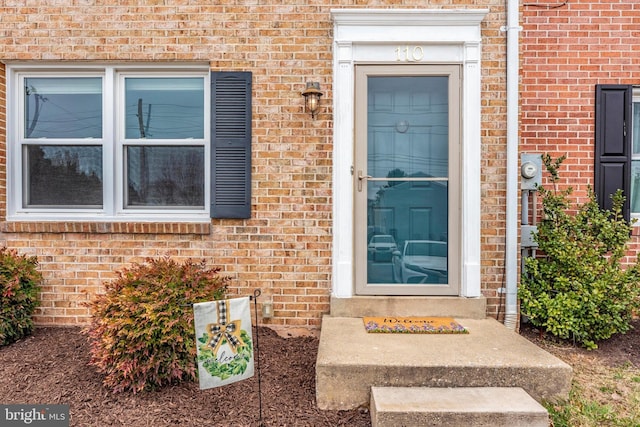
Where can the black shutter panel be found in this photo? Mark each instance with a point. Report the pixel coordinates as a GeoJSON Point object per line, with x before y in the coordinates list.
{"type": "Point", "coordinates": [613, 144]}
{"type": "Point", "coordinates": [231, 145]}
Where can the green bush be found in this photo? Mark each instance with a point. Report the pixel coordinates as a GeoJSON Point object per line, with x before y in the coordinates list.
{"type": "Point", "coordinates": [19, 288]}
{"type": "Point", "coordinates": [578, 289]}
{"type": "Point", "coordinates": [141, 331]}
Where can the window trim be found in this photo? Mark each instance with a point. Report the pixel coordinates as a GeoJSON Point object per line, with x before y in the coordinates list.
{"type": "Point", "coordinates": [121, 142]}
{"type": "Point", "coordinates": [113, 94]}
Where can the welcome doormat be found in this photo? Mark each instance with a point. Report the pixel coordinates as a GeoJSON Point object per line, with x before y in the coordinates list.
{"type": "Point", "coordinates": [413, 325]}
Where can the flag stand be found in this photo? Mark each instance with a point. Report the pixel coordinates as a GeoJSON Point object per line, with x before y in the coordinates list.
{"type": "Point", "coordinates": [255, 296]}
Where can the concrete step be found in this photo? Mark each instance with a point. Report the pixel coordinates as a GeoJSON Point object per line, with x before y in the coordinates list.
{"type": "Point", "coordinates": [351, 361]}
{"type": "Point", "coordinates": [464, 407]}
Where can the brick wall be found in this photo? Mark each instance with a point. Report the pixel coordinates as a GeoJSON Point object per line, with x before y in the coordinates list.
{"type": "Point", "coordinates": [566, 51]}
{"type": "Point", "coordinates": [285, 248]}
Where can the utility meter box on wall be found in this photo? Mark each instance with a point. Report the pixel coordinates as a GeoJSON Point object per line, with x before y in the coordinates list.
{"type": "Point", "coordinates": [530, 171]}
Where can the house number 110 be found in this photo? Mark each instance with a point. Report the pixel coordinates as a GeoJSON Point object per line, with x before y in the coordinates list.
{"type": "Point", "coordinates": [408, 54]}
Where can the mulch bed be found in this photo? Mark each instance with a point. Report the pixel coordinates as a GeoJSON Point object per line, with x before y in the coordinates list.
{"type": "Point", "coordinates": [619, 350]}
{"type": "Point", "coordinates": [50, 367]}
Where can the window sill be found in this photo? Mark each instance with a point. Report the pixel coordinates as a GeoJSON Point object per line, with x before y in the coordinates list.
{"type": "Point", "coordinates": [106, 227]}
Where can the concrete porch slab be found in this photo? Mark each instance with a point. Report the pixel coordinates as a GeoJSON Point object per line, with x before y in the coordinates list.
{"type": "Point", "coordinates": [351, 361]}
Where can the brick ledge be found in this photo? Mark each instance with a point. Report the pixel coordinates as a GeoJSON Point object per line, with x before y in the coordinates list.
{"type": "Point", "coordinates": [106, 227]}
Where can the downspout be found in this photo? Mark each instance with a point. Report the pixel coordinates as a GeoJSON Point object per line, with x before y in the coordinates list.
{"type": "Point", "coordinates": [511, 239]}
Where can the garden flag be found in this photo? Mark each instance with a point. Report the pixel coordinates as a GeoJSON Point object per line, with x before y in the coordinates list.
{"type": "Point", "coordinates": [223, 341]}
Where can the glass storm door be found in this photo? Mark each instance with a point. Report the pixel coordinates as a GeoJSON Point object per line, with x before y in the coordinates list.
{"type": "Point", "coordinates": [406, 180]}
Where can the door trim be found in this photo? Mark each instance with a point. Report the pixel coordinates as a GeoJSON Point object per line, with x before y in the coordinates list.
{"type": "Point", "coordinates": [363, 36]}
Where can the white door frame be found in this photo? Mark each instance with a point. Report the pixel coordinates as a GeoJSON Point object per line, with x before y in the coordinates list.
{"type": "Point", "coordinates": [401, 36]}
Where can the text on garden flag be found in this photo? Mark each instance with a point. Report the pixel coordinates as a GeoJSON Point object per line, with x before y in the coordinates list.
{"type": "Point", "coordinates": [224, 341]}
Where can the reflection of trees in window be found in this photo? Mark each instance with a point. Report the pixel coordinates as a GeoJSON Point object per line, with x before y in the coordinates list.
{"type": "Point", "coordinates": [57, 178]}
{"type": "Point", "coordinates": [395, 173]}
{"type": "Point", "coordinates": [186, 179]}
{"type": "Point", "coordinates": [172, 176]}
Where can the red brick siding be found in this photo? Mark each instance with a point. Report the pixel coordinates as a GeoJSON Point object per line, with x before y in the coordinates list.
{"type": "Point", "coordinates": [285, 248]}
{"type": "Point", "coordinates": [565, 52]}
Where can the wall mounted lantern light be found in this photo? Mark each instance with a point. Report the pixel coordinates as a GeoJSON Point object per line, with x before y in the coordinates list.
{"type": "Point", "coordinates": [312, 96]}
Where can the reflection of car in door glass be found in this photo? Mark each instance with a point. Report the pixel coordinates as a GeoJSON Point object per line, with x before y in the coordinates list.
{"type": "Point", "coordinates": [421, 261]}
{"type": "Point", "coordinates": [381, 247]}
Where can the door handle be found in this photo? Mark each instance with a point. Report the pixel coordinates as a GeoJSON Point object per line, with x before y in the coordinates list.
{"type": "Point", "coordinates": [361, 178]}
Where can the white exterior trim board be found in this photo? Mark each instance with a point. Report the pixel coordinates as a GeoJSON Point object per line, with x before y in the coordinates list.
{"type": "Point", "coordinates": [372, 36]}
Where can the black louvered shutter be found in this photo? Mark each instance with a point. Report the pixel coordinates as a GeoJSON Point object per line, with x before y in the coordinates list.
{"type": "Point", "coordinates": [613, 144]}
{"type": "Point", "coordinates": [231, 144]}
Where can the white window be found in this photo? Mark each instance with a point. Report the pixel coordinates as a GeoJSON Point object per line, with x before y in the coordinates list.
{"type": "Point", "coordinates": [108, 143]}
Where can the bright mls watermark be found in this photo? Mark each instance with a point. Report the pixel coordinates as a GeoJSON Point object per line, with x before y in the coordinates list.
{"type": "Point", "coordinates": [34, 415]}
